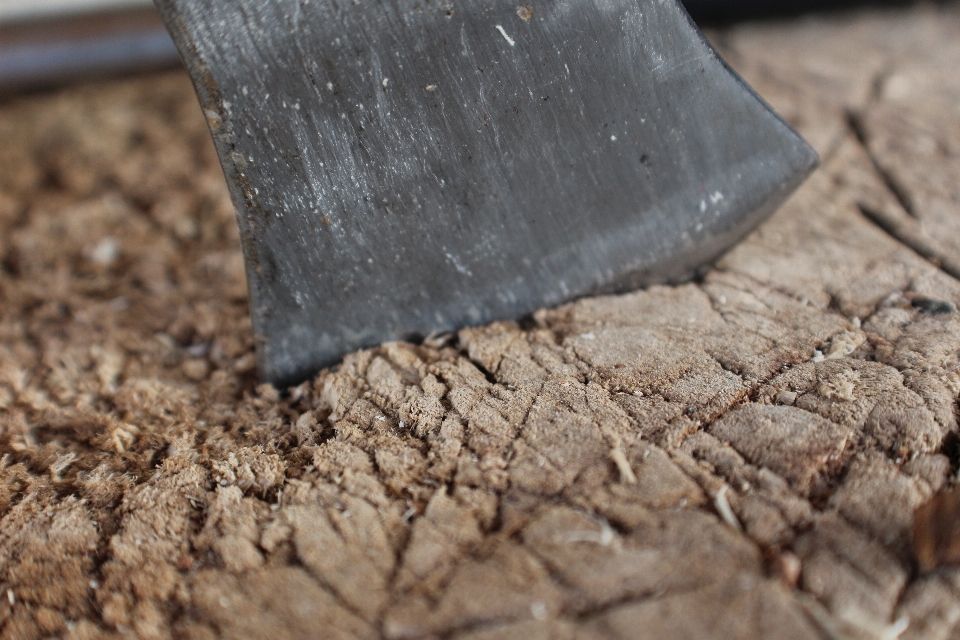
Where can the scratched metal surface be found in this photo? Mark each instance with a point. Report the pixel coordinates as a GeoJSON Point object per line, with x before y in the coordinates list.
{"type": "Point", "coordinates": [401, 167]}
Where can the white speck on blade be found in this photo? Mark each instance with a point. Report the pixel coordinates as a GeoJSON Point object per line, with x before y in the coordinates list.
{"type": "Point", "coordinates": [703, 206]}
{"type": "Point", "coordinates": [716, 197]}
{"type": "Point", "coordinates": [329, 86]}
{"type": "Point", "coordinates": [431, 87]}
{"type": "Point", "coordinates": [11, 598]}
{"type": "Point", "coordinates": [613, 138]}
{"type": "Point", "coordinates": [588, 336]}
{"type": "Point", "coordinates": [385, 82]}
{"type": "Point", "coordinates": [505, 36]}
{"type": "Point", "coordinates": [457, 265]}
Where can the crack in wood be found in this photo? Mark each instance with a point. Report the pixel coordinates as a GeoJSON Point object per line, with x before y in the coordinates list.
{"type": "Point", "coordinates": [910, 236]}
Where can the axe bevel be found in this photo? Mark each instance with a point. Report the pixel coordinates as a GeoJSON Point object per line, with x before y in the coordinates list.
{"type": "Point", "coordinates": [401, 167]}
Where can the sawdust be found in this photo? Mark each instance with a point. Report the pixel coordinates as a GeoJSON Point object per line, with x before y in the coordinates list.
{"type": "Point", "coordinates": [671, 460]}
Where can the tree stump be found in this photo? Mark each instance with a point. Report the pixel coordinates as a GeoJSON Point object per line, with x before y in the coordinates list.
{"type": "Point", "coordinates": [735, 458]}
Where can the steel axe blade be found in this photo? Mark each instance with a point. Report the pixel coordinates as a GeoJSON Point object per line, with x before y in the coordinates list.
{"type": "Point", "coordinates": [401, 167]}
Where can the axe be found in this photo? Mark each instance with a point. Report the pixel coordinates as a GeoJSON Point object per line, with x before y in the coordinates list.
{"type": "Point", "coordinates": [406, 167]}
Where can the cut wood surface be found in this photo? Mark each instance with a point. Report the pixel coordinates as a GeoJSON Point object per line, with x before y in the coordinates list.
{"type": "Point", "coordinates": [735, 458]}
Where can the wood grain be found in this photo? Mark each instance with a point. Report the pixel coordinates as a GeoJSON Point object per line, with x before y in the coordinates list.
{"type": "Point", "coordinates": [739, 457]}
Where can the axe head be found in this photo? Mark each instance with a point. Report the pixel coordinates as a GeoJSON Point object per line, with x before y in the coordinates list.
{"type": "Point", "coordinates": [401, 167]}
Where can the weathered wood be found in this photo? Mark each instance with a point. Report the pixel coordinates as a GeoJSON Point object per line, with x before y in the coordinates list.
{"type": "Point", "coordinates": [739, 457]}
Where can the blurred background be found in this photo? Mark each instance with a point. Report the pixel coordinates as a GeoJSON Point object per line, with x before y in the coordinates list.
{"type": "Point", "coordinates": [46, 43]}
{"type": "Point", "coordinates": [49, 42]}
